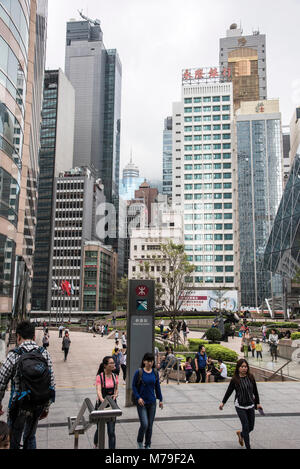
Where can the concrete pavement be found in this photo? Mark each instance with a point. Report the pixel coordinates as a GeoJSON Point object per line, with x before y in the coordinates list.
{"type": "Point", "coordinates": [190, 419]}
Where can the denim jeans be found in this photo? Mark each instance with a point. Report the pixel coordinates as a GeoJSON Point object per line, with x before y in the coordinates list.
{"type": "Point", "coordinates": [25, 425]}
{"type": "Point", "coordinates": [111, 435]}
{"type": "Point", "coordinates": [201, 375]}
{"type": "Point", "coordinates": [146, 416]}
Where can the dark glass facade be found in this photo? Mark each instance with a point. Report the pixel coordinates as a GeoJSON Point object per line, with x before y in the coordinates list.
{"type": "Point", "coordinates": [45, 190]}
{"type": "Point", "coordinates": [282, 254]}
{"type": "Point", "coordinates": [259, 193]}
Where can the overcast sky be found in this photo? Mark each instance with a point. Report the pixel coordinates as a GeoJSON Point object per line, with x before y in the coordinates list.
{"type": "Point", "coordinates": [156, 39]}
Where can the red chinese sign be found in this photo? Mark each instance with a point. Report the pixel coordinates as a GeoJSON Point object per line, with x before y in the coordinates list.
{"type": "Point", "coordinates": [206, 74]}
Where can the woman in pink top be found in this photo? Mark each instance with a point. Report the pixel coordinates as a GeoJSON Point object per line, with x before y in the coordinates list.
{"type": "Point", "coordinates": [107, 384]}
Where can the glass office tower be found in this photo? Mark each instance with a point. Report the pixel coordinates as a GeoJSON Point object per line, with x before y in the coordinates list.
{"type": "Point", "coordinates": [259, 161]}
{"type": "Point", "coordinates": [282, 253]}
{"type": "Point", "coordinates": [23, 26]}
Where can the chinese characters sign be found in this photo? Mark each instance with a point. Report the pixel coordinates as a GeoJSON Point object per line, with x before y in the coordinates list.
{"type": "Point", "coordinates": [215, 74]}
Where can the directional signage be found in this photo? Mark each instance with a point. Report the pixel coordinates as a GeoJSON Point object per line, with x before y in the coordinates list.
{"type": "Point", "coordinates": [140, 327]}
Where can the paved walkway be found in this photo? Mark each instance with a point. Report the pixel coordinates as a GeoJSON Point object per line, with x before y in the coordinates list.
{"type": "Point", "coordinates": [190, 419]}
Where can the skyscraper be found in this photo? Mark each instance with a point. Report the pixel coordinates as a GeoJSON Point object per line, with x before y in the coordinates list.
{"type": "Point", "coordinates": [22, 58]}
{"type": "Point", "coordinates": [167, 157]}
{"type": "Point", "coordinates": [131, 181]}
{"type": "Point", "coordinates": [259, 160]}
{"type": "Point", "coordinates": [245, 56]}
{"type": "Point", "coordinates": [96, 75]}
{"type": "Point", "coordinates": [56, 155]}
{"type": "Point", "coordinates": [208, 178]}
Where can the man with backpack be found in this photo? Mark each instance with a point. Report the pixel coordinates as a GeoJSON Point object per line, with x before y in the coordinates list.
{"type": "Point", "coordinates": [29, 368]}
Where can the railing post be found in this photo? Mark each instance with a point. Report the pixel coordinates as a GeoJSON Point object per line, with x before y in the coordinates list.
{"type": "Point", "coordinates": [101, 434]}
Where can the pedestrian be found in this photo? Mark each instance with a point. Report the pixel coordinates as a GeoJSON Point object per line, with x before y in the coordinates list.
{"type": "Point", "coordinates": [185, 331]}
{"type": "Point", "coordinates": [273, 341]}
{"type": "Point", "coordinates": [253, 347]}
{"type": "Point", "coordinates": [221, 374]}
{"type": "Point", "coordinates": [107, 384]}
{"type": "Point", "coordinates": [60, 329]}
{"type": "Point", "coordinates": [29, 369]}
{"type": "Point", "coordinates": [124, 340]}
{"type": "Point", "coordinates": [117, 336]}
{"type": "Point", "coordinates": [102, 331]}
{"type": "Point", "coordinates": [211, 369]}
{"type": "Point", "coordinates": [117, 359]}
{"type": "Point", "coordinates": [258, 349]}
{"type": "Point", "coordinates": [123, 362]}
{"type": "Point", "coordinates": [162, 325]}
{"type": "Point", "coordinates": [4, 436]}
{"type": "Point", "coordinates": [200, 364]}
{"type": "Point", "coordinates": [188, 369]}
{"type": "Point", "coordinates": [66, 345]}
{"type": "Point", "coordinates": [264, 333]}
{"type": "Point", "coordinates": [246, 343]}
{"type": "Point", "coordinates": [45, 340]}
{"type": "Point", "coordinates": [232, 329]}
{"type": "Point", "coordinates": [246, 400]}
{"type": "Point", "coordinates": [146, 389]}
{"type": "Point", "coordinates": [94, 330]}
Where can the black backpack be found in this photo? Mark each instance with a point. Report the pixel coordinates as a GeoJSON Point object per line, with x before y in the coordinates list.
{"type": "Point", "coordinates": [140, 381]}
{"type": "Point", "coordinates": [35, 379]}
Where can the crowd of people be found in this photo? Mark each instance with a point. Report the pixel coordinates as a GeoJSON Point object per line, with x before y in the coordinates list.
{"type": "Point", "coordinates": [30, 399]}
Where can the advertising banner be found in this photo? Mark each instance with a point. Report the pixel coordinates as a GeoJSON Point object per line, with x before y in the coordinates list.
{"type": "Point", "coordinates": [209, 300]}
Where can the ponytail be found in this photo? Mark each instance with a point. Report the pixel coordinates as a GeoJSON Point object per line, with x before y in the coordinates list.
{"type": "Point", "coordinates": [103, 364]}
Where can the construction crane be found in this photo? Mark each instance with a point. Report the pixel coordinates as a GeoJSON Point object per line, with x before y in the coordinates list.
{"type": "Point", "coordinates": [96, 22]}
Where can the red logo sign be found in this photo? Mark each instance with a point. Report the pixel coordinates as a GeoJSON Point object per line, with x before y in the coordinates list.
{"type": "Point", "coordinates": [142, 290]}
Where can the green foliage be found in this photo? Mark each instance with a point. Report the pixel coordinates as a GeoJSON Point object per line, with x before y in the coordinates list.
{"type": "Point", "coordinates": [230, 370]}
{"type": "Point", "coordinates": [213, 334]}
{"type": "Point", "coordinates": [195, 343]}
{"type": "Point", "coordinates": [295, 336]}
{"type": "Point", "coordinates": [215, 351]}
{"type": "Point", "coordinates": [283, 325]}
{"type": "Point", "coordinates": [120, 299]}
{"type": "Point", "coordinates": [219, 351]}
{"type": "Point", "coordinates": [160, 346]}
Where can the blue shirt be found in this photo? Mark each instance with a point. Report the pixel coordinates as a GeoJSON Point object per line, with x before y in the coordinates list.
{"type": "Point", "coordinates": [149, 388]}
{"type": "Point", "coordinates": [202, 359]}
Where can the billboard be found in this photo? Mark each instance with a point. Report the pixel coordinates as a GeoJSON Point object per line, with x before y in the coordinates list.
{"type": "Point", "coordinates": [209, 300]}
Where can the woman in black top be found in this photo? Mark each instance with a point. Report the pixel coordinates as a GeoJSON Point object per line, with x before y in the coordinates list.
{"type": "Point", "coordinates": [246, 400]}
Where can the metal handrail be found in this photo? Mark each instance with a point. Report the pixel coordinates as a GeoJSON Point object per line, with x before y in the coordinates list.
{"type": "Point", "coordinates": [78, 425]}
{"type": "Point", "coordinates": [279, 370]}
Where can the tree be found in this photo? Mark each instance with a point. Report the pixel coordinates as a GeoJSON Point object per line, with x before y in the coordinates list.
{"type": "Point", "coordinates": [176, 281]}
{"type": "Point", "coordinates": [120, 299]}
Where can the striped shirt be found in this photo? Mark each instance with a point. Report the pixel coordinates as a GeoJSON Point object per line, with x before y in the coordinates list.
{"type": "Point", "coordinates": [9, 368]}
{"type": "Point", "coordinates": [246, 393]}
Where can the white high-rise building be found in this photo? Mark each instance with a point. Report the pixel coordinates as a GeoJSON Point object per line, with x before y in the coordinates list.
{"type": "Point", "coordinates": [208, 178]}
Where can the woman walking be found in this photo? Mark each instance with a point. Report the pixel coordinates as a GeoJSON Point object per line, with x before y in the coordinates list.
{"type": "Point", "coordinates": [146, 389]}
{"type": "Point", "coordinates": [123, 362]}
{"type": "Point", "coordinates": [273, 341]}
{"type": "Point", "coordinates": [107, 384]}
{"type": "Point", "coordinates": [66, 345]}
{"type": "Point", "coordinates": [246, 400]}
{"type": "Point", "coordinates": [246, 340]}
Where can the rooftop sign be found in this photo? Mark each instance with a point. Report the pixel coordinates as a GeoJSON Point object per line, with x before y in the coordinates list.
{"type": "Point", "coordinates": [207, 74]}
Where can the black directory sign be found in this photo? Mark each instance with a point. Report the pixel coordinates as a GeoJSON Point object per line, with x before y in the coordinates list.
{"type": "Point", "coordinates": [140, 327]}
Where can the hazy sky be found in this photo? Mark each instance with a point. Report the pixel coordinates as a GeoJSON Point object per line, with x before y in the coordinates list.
{"type": "Point", "coordinates": [156, 39]}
